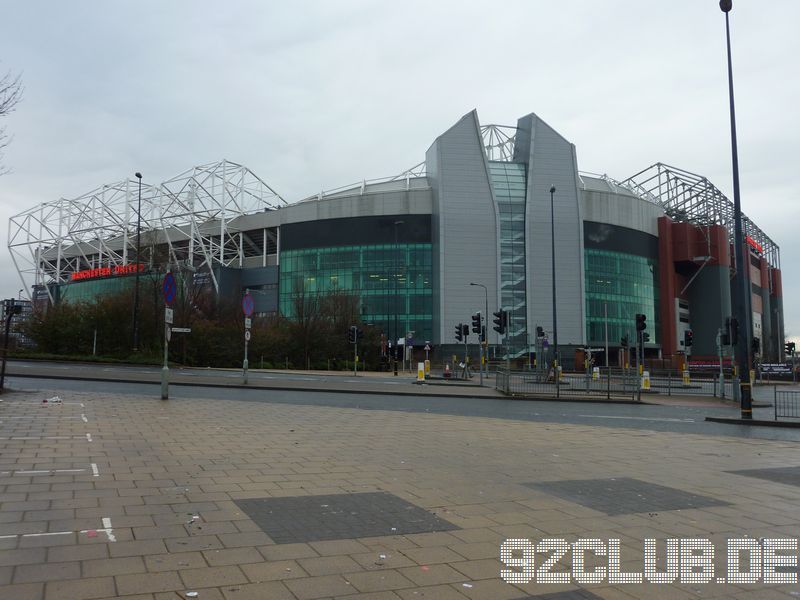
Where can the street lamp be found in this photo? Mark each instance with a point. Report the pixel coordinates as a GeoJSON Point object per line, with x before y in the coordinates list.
{"type": "Point", "coordinates": [485, 343]}
{"type": "Point", "coordinates": [553, 266]}
{"type": "Point", "coordinates": [19, 295]}
{"type": "Point", "coordinates": [741, 287]}
{"type": "Point", "coordinates": [138, 252]}
{"type": "Point", "coordinates": [395, 345]}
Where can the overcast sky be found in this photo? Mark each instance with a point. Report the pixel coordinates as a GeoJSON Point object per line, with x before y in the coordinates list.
{"type": "Point", "coordinates": [316, 95]}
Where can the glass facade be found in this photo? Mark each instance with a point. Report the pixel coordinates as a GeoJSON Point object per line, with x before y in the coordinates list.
{"type": "Point", "coordinates": [509, 182]}
{"type": "Point", "coordinates": [90, 289]}
{"type": "Point", "coordinates": [389, 280]}
{"type": "Point", "coordinates": [625, 284]}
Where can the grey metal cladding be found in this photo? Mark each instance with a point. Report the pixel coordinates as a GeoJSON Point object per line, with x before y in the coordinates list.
{"type": "Point", "coordinates": [464, 226]}
{"type": "Point", "coordinates": [552, 161]}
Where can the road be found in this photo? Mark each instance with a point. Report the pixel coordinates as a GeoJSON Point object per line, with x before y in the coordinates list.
{"type": "Point", "coordinates": [681, 418]}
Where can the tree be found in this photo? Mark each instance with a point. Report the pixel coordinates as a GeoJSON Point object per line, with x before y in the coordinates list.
{"type": "Point", "coordinates": [10, 95]}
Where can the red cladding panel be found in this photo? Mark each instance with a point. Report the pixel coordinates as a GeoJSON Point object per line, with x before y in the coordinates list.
{"type": "Point", "coordinates": [777, 283]}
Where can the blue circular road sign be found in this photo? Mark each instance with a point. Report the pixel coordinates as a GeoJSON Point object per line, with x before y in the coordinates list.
{"type": "Point", "coordinates": [170, 288]}
{"type": "Point", "coordinates": [248, 305]}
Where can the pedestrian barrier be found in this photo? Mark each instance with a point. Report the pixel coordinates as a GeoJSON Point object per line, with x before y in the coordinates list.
{"type": "Point", "coordinates": [787, 404]}
{"type": "Point", "coordinates": [608, 383]}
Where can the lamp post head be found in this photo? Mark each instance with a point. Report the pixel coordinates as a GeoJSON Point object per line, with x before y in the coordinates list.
{"type": "Point", "coordinates": [552, 189]}
{"type": "Point", "coordinates": [725, 5]}
{"type": "Point", "coordinates": [138, 175]}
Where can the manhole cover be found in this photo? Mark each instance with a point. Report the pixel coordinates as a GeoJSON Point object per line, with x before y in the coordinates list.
{"type": "Point", "coordinates": [787, 475]}
{"type": "Point", "coordinates": [339, 516]}
{"type": "Point", "coordinates": [623, 495]}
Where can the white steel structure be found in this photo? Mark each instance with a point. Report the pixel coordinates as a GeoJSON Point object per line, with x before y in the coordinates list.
{"type": "Point", "coordinates": [191, 213]}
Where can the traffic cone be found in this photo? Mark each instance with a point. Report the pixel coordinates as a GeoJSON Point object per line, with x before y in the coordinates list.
{"type": "Point", "coordinates": [447, 371]}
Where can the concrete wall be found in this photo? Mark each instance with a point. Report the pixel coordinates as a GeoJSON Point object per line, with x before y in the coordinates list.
{"type": "Point", "coordinates": [618, 207]}
{"type": "Point", "coordinates": [372, 202]}
{"type": "Point", "coordinates": [552, 161]}
{"type": "Point", "coordinates": [465, 226]}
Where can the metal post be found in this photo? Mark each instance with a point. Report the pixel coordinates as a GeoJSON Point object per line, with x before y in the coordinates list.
{"type": "Point", "coordinates": [94, 343]}
{"type": "Point", "coordinates": [480, 351]}
{"type": "Point", "coordinates": [553, 269]}
{"type": "Point", "coordinates": [794, 369]}
{"type": "Point", "coordinates": [355, 355]}
{"type": "Point", "coordinates": [638, 369]}
{"type": "Point", "coordinates": [605, 316]}
{"type": "Point", "coordinates": [9, 315]}
{"type": "Point", "coordinates": [165, 368]}
{"type": "Point", "coordinates": [721, 372]}
{"type": "Point", "coordinates": [245, 362]}
{"type": "Point", "coordinates": [138, 252]}
{"type": "Point", "coordinates": [396, 345]}
{"type": "Point", "coordinates": [741, 286]}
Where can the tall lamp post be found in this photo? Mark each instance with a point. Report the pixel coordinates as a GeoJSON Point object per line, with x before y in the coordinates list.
{"type": "Point", "coordinates": [394, 344]}
{"type": "Point", "coordinates": [741, 287]}
{"type": "Point", "coordinates": [553, 268]}
{"type": "Point", "coordinates": [138, 252]}
{"type": "Point", "coordinates": [484, 321]}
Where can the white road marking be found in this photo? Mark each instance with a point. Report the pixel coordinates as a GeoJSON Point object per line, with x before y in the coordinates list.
{"type": "Point", "coordinates": [665, 419]}
{"type": "Point", "coordinates": [38, 437]}
{"type": "Point", "coordinates": [41, 417]}
{"type": "Point", "coordinates": [44, 471]}
{"type": "Point", "coordinates": [95, 472]}
{"type": "Point", "coordinates": [83, 417]}
{"type": "Point", "coordinates": [88, 437]}
{"type": "Point", "coordinates": [106, 529]}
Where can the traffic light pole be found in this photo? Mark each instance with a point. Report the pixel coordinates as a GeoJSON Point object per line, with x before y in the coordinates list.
{"type": "Point", "coordinates": [721, 370]}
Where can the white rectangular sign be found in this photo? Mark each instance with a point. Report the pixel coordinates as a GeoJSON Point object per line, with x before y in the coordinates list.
{"type": "Point", "coordinates": [168, 316]}
{"type": "Point", "coordinates": [181, 330]}
{"type": "Point", "coordinates": [247, 323]}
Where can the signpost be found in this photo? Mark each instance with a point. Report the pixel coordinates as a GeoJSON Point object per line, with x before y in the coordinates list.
{"type": "Point", "coordinates": [170, 289]}
{"type": "Point", "coordinates": [248, 305]}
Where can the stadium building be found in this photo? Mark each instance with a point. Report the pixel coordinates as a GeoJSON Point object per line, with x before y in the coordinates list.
{"type": "Point", "coordinates": [468, 227]}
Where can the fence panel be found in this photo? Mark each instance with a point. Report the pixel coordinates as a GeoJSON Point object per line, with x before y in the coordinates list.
{"type": "Point", "coordinates": [610, 384]}
{"type": "Point", "coordinates": [787, 404]}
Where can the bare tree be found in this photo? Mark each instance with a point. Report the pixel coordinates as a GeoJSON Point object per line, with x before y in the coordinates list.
{"type": "Point", "coordinates": [10, 95]}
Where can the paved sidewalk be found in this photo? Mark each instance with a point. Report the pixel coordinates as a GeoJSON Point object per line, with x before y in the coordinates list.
{"type": "Point", "coordinates": [106, 496]}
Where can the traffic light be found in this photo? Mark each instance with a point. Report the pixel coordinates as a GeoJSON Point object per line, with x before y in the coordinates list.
{"type": "Point", "coordinates": [755, 345]}
{"type": "Point", "coordinates": [465, 330]}
{"type": "Point", "coordinates": [688, 338]}
{"type": "Point", "coordinates": [352, 334]}
{"type": "Point", "coordinates": [734, 332]}
{"type": "Point", "coordinates": [460, 332]}
{"type": "Point", "coordinates": [476, 323]}
{"type": "Point", "coordinates": [641, 322]}
{"type": "Point", "coordinates": [539, 331]}
{"type": "Point", "coordinates": [645, 337]}
{"type": "Point", "coordinates": [624, 341]}
{"type": "Point", "coordinates": [359, 334]}
{"type": "Point", "coordinates": [789, 347]}
{"type": "Point", "coordinates": [500, 321]}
